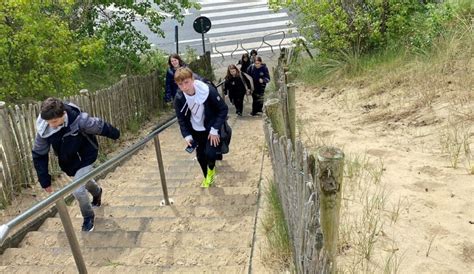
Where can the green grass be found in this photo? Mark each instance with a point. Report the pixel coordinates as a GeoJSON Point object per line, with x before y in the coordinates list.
{"type": "Point", "coordinates": [276, 232]}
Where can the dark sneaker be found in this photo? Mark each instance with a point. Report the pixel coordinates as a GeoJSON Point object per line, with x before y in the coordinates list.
{"type": "Point", "coordinates": [97, 200]}
{"type": "Point", "coordinates": [88, 224]}
{"type": "Point", "coordinates": [253, 114]}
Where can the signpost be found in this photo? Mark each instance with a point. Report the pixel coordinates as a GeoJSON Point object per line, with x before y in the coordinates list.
{"type": "Point", "coordinates": [202, 25]}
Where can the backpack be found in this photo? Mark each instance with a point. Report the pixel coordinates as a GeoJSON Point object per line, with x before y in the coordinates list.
{"type": "Point", "coordinates": [204, 80]}
{"type": "Point", "coordinates": [226, 136]}
{"type": "Point", "coordinates": [247, 81]}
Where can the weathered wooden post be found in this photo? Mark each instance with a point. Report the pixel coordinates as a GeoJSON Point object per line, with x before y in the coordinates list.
{"type": "Point", "coordinates": [9, 157]}
{"type": "Point", "coordinates": [329, 175]}
{"type": "Point", "coordinates": [273, 110]}
{"type": "Point", "coordinates": [291, 107]}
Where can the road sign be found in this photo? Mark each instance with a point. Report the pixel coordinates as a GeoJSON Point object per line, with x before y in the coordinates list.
{"type": "Point", "coordinates": [202, 24]}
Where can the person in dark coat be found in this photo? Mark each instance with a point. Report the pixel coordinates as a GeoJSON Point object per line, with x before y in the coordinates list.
{"type": "Point", "coordinates": [71, 133]}
{"type": "Point", "coordinates": [253, 55]}
{"type": "Point", "coordinates": [174, 62]}
{"type": "Point", "coordinates": [244, 62]}
{"type": "Point", "coordinates": [236, 86]}
{"type": "Point", "coordinates": [261, 77]}
{"type": "Point", "coordinates": [201, 112]}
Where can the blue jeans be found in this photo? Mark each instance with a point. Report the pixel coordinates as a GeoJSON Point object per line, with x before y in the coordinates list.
{"type": "Point", "coordinates": [81, 193]}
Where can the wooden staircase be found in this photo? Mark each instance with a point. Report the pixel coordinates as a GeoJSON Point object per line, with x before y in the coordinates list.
{"type": "Point", "coordinates": [204, 231]}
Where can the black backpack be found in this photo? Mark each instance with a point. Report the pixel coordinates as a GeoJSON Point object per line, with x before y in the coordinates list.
{"type": "Point", "coordinates": [226, 136]}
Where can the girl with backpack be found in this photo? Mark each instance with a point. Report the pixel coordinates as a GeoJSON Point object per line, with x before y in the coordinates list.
{"type": "Point", "coordinates": [236, 85]}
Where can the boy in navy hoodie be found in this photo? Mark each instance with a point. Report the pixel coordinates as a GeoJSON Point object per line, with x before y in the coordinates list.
{"type": "Point", "coordinates": [201, 113]}
{"type": "Point", "coordinates": [71, 133]}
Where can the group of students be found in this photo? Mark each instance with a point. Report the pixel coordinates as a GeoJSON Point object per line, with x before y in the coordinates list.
{"type": "Point", "coordinates": [200, 110]}
{"type": "Point", "coordinates": [250, 79]}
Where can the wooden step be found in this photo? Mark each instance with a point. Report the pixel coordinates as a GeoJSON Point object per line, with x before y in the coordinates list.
{"type": "Point", "coordinates": [189, 200]}
{"type": "Point", "coordinates": [159, 257]}
{"type": "Point", "coordinates": [159, 224]}
{"type": "Point", "coordinates": [140, 239]}
{"type": "Point", "coordinates": [113, 267]}
{"type": "Point", "coordinates": [138, 190]}
{"type": "Point", "coordinates": [170, 211]}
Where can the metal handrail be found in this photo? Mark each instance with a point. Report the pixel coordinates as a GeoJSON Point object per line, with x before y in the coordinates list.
{"type": "Point", "coordinates": [271, 34]}
{"type": "Point", "coordinates": [241, 45]}
{"type": "Point", "coordinates": [57, 197]}
{"type": "Point", "coordinates": [222, 55]}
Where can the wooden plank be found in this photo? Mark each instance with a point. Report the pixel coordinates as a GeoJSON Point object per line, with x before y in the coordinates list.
{"type": "Point", "coordinates": [16, 165]}
{"type": "Point", "coordinates": [28, 144]}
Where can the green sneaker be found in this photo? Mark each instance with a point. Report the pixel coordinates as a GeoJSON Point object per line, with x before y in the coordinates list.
{"type": "Point", "coordinates": [210, 176]}
{"type": "Point", "coordinates": [204, 183]}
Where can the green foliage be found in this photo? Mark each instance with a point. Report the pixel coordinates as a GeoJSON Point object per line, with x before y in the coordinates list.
{"type": "Point", "coordinates": [55, 48]}
{"type": "Point", "coordinates": [200, 65]}
{"type": "Point", "coordinates": [367, 26]}
{"type": "Point", "coordinates": [37, 52]}
{"type": "Point", "coordinates": [154, 60]}
{"type": "Point", "coordinates": [114, 22]}
{"type": "Point", "coordinates": [416, 27]}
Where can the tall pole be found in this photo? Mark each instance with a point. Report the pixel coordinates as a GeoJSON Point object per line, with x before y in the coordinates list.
{"type": "Point", "coordinates": [202, 34]}
{"type": "Point", "coordinates": [176, 39]}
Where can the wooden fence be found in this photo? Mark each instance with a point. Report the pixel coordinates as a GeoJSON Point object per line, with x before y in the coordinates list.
{"type": "Point", "coordinates": [125, 103]}
{"type": "Point", "coordinates": [308, 182]}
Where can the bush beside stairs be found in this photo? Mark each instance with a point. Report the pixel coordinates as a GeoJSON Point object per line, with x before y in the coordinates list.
{"type": "Point", "coordinates": [205, 230]}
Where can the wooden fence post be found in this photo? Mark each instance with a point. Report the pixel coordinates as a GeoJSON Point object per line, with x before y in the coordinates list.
{"type": "Point", "coordinates": [7, 157]}
{"type": "Point", "coordinates": [330, 173]}
{"type": "Point", "coordinates": [291, 107]}
{"type": "Point", "coordinates": [273, 110]}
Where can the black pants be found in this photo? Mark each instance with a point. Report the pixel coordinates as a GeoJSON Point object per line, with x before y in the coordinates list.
{"type": "Point", "coordinates": [205, 153]}
{"type": "Point", "coordinates": [238, 102]}
{"type": "Point", "coordinates": [257, 101]}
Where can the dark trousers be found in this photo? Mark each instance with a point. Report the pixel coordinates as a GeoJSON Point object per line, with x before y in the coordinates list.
{"type": "Point", "coordinates": [257, 101]}
{"type": "Point", "coordinates": [205, 153]}
{"type": "Point", "coordinates": [238, 102]}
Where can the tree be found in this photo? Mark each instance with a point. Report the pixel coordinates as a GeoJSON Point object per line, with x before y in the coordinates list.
{"type": "Point", "coordinates": [45, 46]}
{"type": "Point", "coordinates": [37, 53]}
{"type": "Point", "coordinates": [113, 21]}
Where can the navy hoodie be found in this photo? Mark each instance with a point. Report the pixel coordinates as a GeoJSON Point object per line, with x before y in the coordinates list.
{"type": "Point", "coordinates": [74, 144]}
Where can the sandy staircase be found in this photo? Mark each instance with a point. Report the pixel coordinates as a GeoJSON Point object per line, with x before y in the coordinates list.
{"type": "Point", "coordinates": [205, 230]}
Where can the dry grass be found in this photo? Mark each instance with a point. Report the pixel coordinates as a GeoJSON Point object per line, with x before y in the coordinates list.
{"type": "Point", "coordinates": [363, 217]}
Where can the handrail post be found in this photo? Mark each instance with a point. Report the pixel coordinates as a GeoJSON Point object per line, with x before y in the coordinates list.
{"type": "Point", "coordinates": [156, 139]}
{"type": "Point", "coordinates": [71, 236]}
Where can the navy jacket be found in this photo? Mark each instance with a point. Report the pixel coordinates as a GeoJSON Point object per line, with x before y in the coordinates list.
{"type": "Point", "coordinates": [256, 74]}
{"type": "Point", "coordinates": [75, 144]}
{"type": "Point", "coordinates": [171, 87]}
{"type": "Point", "coordinates": [215, 112]}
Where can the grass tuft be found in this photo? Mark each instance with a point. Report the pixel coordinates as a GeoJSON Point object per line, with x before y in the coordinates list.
{"type": "Point", "coordinates": [275, 229]}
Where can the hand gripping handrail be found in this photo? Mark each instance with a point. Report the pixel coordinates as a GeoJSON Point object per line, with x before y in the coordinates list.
{"type": "Point", "coordinates": [57, 197]}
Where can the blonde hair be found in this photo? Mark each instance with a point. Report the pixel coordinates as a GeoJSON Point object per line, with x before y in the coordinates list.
{"type": "Point", "coordinates": [182, 74]}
